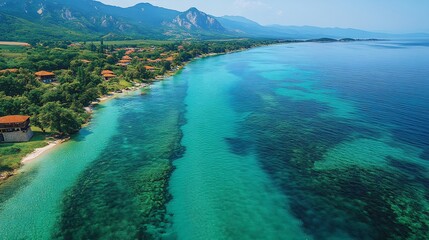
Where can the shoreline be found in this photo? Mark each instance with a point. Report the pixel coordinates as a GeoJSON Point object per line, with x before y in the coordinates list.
{"type": "Point", "coordinates": [38, 152]}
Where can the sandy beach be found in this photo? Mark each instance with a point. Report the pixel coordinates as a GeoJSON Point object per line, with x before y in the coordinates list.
{"type": "Point", "coordinates": [39, 151]}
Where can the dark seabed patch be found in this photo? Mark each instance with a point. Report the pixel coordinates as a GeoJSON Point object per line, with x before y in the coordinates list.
{"type": "Point", "coordinates": [123, 194]}
{"type": "Point", "coordinates": [292, 131]}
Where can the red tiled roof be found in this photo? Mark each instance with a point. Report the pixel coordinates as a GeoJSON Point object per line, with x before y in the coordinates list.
{"type": "Point", "coordinates": [12, 70]}
{"type": "Point", "coordinates": [13, 119]}
{"type": "Point", "coordinates": [126, 58]}
{"type": "Point", "coordinates": [44, 74]}
{"type": "Point", "coordinates": [129, 51]}
{"type": "Point", "coordinates": [106, 72]}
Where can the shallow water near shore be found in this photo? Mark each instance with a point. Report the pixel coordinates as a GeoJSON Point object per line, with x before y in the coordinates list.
{"type": "Point", "coordinates": [295, 141]}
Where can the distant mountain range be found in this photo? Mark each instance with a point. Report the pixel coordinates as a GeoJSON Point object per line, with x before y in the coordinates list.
{"type": "Point", "coordinates": [33, 20]}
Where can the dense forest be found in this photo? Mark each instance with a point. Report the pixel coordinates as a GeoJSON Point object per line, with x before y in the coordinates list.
{"type": "Point", "coordinates": [59, 106]}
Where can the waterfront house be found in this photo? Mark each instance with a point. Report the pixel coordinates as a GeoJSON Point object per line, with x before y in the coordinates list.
{"type": "Point", "coordinates": [46, 77]}
{"type": "Point", "coordinates": [15, 128]}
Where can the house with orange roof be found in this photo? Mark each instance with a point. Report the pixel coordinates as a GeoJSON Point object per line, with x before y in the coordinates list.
{"type": "Point", "coordinates": [107, 74]}
{"type": "Point", "coordinates": [128, 52]}
{"type": "Point", "coordinates": [154, 61]}
{"type": "Point", "coordinates": [122, 64]}
{"type": "Point", "coordinates": [149, 68]}
{"type": "Point", "coordinates": [46, 77]}
{"type": "Point", "coordinates": [15, 128]}
{"type": "Point", "coordinates": [126, 57]}
{"type": "Point", "coordinates": [9, 70]}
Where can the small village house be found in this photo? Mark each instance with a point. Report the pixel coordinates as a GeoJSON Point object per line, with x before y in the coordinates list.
{"type": "Point", "coordinates": [107, 74]}
{"type": "Point", "coordinates": [130, 51]}
{"type": "Point", "coordinates": [149, 68]}
{"type": "Point", "coordinates": [122, 64]}
{"type": "Point", "coordinates": [15, 128]}
{"type": "Point", "coordinates": [124, 61]}
{"type": "Point", "coordinates": [127, 58]}
{"type": "Point", "coordinates": [46, 77]}
{"type": "Point", "coordinates": [9, 70]}
{"type": "Point", "coordinates": [154, 60]}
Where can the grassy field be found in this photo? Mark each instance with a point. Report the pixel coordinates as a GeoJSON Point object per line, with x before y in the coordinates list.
{"type": "Point", "coordinates": [12, 153]}
{"type": "Point", "coordinates": [11, 54]}
{"type": "Point", "coordinates": [124, 84]}
{"type": "Point", "coordinates": [8, 47]}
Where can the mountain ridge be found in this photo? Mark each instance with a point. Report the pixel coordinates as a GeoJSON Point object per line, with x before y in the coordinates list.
{"type": "Point", "coordinates": [25, 20]}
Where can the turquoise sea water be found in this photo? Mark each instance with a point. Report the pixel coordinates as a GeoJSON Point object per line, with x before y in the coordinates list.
{"type": "Point", "coordinates": [297, 141]}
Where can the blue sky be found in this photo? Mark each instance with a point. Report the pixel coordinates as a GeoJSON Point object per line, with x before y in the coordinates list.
{"type": "Point", "coordinates": [393, 16]}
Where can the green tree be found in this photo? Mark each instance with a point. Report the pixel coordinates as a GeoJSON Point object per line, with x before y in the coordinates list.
{"type": "Point", "coordinates": [13, 105]}
{"type": "Point", "coordinates": [88, 96]}
{"type": "Point", "coordinates": [10, 86]}
{"type": "Point", "coordinates": [57, 118]}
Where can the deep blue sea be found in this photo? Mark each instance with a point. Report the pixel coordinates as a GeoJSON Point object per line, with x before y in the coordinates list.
{"type": "Point", "coordinates": [290, 141]}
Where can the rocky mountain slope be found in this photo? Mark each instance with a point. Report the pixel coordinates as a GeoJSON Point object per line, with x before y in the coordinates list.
{"type": "Point", "coordinates": [33, 20]}
{"type": "Point", "coordinates": [45, 19]}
